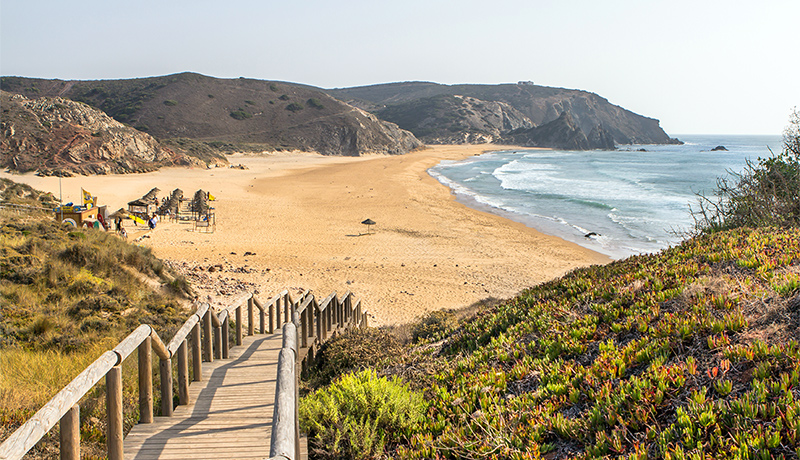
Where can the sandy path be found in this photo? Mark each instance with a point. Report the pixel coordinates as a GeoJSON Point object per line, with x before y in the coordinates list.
{"type": "Point", "coordinates": [300, 214]}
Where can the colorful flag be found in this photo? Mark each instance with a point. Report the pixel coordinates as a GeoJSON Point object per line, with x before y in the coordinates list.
{"type": "Point", "coordinates": [211, 197]}
{"type": "Point", "coordinates": [87, 197]}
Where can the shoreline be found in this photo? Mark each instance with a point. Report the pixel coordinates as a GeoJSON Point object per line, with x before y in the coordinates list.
{"type": "Point", "coordinates": [299, 214]}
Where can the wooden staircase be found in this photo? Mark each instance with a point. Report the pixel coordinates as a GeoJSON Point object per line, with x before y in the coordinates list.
{"type": "Point", "coordinates": [243, 399]}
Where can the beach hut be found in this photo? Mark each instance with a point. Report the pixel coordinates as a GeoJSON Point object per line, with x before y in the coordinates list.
{"type": "Point", "coordinates": [172, 205]}
{"type": "Point", "coordinates": [75, 215]}
{"type": "Point", "coordinates": [145, 206]}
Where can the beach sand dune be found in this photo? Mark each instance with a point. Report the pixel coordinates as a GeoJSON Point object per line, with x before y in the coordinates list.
{"type": "Point", "coordinates": [299, 216]}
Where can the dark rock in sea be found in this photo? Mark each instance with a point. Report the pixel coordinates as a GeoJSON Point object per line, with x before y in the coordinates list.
{"type": "Point", "coordinates": [641, 150]}
{"type": "Point", "coordinates": [591, 234]}
{"type": "Point", "coordinates": [719, 148]}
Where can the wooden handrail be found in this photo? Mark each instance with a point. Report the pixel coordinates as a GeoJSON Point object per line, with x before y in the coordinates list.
{"type": "Point", "coordinates": [26, 436]}
{"type": "Point", "coordinates": [298, 322]}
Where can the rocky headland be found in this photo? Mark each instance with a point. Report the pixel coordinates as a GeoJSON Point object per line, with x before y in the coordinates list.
{"type": "Point", "coordinates": [57, 136]}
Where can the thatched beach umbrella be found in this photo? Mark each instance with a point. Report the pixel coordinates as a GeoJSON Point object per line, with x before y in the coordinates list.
{"type": "Point", "coordinates": [121, 212]}
{"type": "Point", "coordinates": [368, 223]}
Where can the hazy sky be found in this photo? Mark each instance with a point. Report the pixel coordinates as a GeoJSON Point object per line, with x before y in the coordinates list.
{"type": "Point", "coordinates": [699, 66]}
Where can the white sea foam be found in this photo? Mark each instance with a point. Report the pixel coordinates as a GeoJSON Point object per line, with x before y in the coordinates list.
{"type": "Point", "coordinates": [630, 200]}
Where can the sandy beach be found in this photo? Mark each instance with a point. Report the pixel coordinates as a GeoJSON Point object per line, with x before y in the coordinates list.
{"type": "Point", "coordinates": [298, 217]}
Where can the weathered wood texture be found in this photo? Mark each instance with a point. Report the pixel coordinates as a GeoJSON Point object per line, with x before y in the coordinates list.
{"type": "Point", "coordinates": [229, 414]}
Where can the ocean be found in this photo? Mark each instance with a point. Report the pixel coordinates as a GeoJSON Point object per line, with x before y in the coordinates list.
{"type": "Point", "coordinates": [631, 201]}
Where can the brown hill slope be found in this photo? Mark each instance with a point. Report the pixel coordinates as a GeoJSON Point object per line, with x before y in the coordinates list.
{"type": "Point", "coordinates": [269, 115]}
{"type": "Point", "coordinates": [56, 136]}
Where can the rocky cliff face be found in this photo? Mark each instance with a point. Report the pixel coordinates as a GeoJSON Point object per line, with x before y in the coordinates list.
{"type": "Point", "coordinates": [455, 119]}
{"type": "Point", "coordinates": [539, 105]}
{"type": "Point", "coordinates": [56, 136]}
{"type": "Point", "coordinates": [562, 133]}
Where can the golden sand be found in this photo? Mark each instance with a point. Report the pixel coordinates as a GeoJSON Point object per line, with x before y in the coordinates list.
{"type": "Point", "coordinates": [301, 214]}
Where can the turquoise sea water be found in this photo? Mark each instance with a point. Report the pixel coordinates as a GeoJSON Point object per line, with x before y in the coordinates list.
{"type": "Point", "coordinates": [633, 201]}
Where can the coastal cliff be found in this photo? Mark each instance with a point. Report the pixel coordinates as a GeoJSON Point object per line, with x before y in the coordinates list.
{"type": "Point", "coordinates": [534, 106]}
{"type": "Point", "coordinates": [56, 136]}
{"type": "Point", "coordinates": [562, 133]}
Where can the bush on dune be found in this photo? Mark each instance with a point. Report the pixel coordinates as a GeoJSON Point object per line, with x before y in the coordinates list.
{"type": "Point", "coordinates": [766, 193]}
{"type": "Point", "coordinates": [360, 416]}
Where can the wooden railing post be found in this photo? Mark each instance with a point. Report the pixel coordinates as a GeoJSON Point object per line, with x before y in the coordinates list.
{"type": "Point", "coordinates": [225, 338]}
{"type": "Point", "coordinates": [239, 325]}
{"type": "Point", "coordinates": [146, 381]}
{"type": "Point", "coordinates": [166, 387]}
{"type": "Point", "coordinates": [218, 342]}
{"type": "Point", "coordinates": [208, 352]}
{"type": "Point", "coordinates": [310, 319]}
{"type": "Point", "coordinates": [251, 324]}
{"type": "Point", "coordinates": [114, 412]}
{"type": "Point", "coordinates": [286, 309]}
{"type": "Point", "coordinates": [183, 374]}
{"type": "Point", "coordinates": [71, 434]}
{"type": "Point", "coordinates": [262, 321]}
{"type": "Point", "coordinates": [197, 361]}
{"type": "Point", "coordinates": [304, 329]}
{"type": "Point", "coordinates": [272, 316]}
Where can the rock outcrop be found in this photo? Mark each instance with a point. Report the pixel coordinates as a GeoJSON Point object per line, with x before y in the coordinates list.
{"type": "Point", "coordinates": [539, 105]}
{"type": "Point", "coordinates": [56, 136]}
{"type": "Point", "coordinates": [562, 133]}
{"type": "Point", "coordinates": [455, 119]}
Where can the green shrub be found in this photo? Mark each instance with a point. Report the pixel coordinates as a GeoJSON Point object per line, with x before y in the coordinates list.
{"type": "Point", "coordinates": [315, 103]}
{"type": "Point", "coordinates": [434, 325]}
{"type": "Point", "coordinates": [248, 102]}
{"type": "Point", "coordinates": [284, 97]}
{"type": "Point", "coordinates": [170, 103]}
{"type": "Point", "coordinates": [295, 107]}
{"type": "Point", "coordinates": [273, 87]}
{"type": "Point", "coordinates": [355, 350]}
{"type": "Point", "coordinates": [240, 114]}
{"type": "Point", "coordinates": [361, 416]}
{"type": "Point", "coordinates": [765, 194]}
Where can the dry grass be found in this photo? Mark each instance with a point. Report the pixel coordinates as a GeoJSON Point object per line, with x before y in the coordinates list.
{"type": "Point", "coordinates": [29, 378]}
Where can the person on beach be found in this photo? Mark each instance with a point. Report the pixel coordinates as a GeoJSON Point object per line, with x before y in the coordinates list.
{"type": "Point", "coordinates": [152, 223]}
{"type": "Point", "coordinates": [118, 224]}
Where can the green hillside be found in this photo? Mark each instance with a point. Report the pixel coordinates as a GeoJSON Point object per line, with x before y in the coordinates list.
{"type": "Point", "coordinates": [691, 353]}
{"type": "Point", "coordinates": [67, 296]}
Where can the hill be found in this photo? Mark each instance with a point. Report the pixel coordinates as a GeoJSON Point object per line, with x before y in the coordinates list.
{"type": "Point", "coordinates": [231, 113]}
{"type": "Point", "coordinates": [538, 105]}
{"type": "Point", "coordinates": [57, 136]}
{"type": "Point", "coordinates": [689, 353]}
{"type": "Point", "coordinates": [67, 296]}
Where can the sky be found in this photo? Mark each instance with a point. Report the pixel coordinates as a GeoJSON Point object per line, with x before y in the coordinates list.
{"type": "Point", "coordinates": [699, 66]}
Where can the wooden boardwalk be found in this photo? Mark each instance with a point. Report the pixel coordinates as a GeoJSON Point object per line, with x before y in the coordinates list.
{"type": "Point", "coordinates": [230, 411]}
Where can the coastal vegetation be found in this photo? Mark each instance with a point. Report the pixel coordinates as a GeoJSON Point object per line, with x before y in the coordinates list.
{"type": "Point", "coordinates": [693, 352]}
{"type": "Point", "coordinates": [765, 193]}
{"type": "Point", "coordinates": [66, 296]}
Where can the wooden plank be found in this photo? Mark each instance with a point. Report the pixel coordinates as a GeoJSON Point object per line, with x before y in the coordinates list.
{"type": "Point", "coordinates": [230, 411]}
